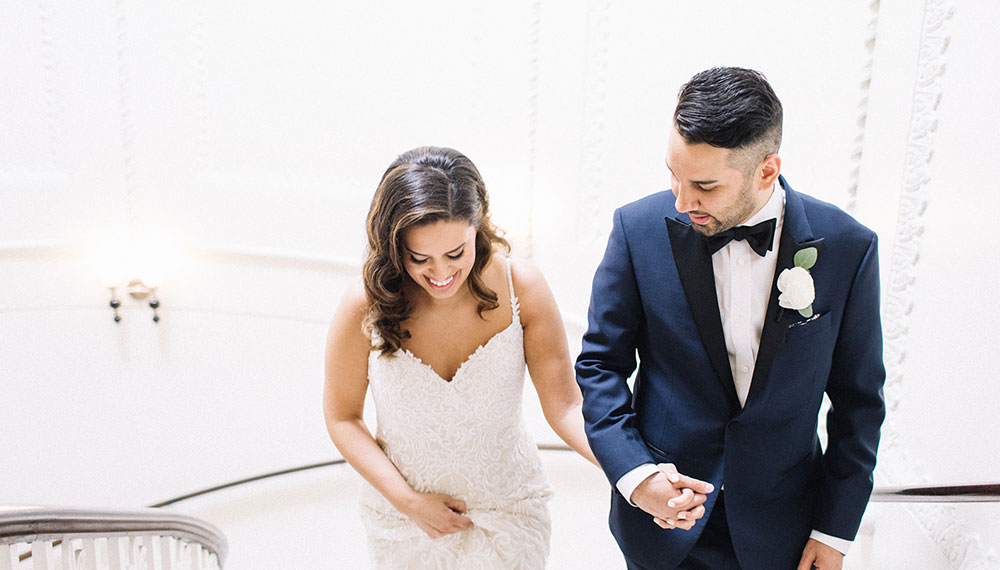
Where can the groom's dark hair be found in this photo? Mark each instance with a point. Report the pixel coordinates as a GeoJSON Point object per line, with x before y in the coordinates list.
{"type": "Point", "coordinates": [734, 108]}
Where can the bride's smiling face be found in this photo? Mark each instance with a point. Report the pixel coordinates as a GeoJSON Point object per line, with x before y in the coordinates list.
{"type": "Point", "coordinates": [439, 256]}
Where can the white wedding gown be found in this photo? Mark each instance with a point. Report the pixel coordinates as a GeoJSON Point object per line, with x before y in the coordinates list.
{"type": "Point", "coordinates": [464, 438]}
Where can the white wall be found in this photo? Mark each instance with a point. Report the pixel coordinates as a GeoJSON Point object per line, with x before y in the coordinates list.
{"type": "Point", "coordinates": [253, 138]}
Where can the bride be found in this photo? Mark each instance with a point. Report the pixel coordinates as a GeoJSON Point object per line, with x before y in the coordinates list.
{"type": "Point", "coordinates": [439, 328]}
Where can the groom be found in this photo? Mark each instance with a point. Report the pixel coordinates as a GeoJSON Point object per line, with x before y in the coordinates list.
{"type": "Point", "coordinates": [745, 302]}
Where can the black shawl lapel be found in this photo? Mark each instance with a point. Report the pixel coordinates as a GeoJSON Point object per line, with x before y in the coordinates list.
{"type": "Point", "coordinates": [796, 234]}
{"type": "Point", "coordinates": [694, 266]}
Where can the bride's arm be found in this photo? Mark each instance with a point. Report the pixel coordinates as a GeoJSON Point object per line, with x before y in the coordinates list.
{"type": "Point", "coordinates": [347, 350]}
{"type": "Point", "coordinates": [547, 354]}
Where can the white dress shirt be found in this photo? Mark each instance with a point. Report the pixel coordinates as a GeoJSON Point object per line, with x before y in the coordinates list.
{"type": "Point", "coordinates": [743, 283]}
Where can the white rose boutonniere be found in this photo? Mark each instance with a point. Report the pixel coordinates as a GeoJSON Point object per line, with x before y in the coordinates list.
{"type": "Point", "coordinates": [796, 284]}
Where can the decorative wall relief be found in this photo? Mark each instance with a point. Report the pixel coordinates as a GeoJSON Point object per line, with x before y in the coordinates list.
{"type": "Point", "coordinates": [53, 104]}
{"type": "Point", "coordinates": [866, 80]}
{"type": "Point", "coordinates": [594, 117]}
{"type": "Point", "coordinates": [125, 106]}
{"type": "Point", "coordinates": [534, 74]}
{"type": "Point", "coordinates": [942, 524]}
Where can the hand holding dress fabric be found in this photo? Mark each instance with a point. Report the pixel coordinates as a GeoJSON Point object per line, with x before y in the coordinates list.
{"type": "Point", "coordinates": [437, 514]}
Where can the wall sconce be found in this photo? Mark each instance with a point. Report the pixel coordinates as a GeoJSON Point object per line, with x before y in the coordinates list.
{"type": "Point", "coordinates": [138, 291]}
{"type": "Point", "coordinates": [134, 266]}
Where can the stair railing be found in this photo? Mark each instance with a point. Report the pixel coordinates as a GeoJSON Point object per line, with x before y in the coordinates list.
{"type": "Point", "coordinates": [42, 538]}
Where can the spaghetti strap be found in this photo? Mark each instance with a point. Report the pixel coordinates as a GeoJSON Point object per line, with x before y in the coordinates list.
{"type": "Point", "coordinates": [514, 307]}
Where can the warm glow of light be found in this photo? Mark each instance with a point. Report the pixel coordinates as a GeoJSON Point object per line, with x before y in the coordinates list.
{"type": "Point", "coordinates": [107, 259]}
{"type": "Point", "coordinates": [155, 258]}
{"type": "Point", "coordinates": [151, 258]}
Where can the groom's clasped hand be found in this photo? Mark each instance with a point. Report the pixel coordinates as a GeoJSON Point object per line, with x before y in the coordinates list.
{"type": "Point", "coordinates": [674, 500]}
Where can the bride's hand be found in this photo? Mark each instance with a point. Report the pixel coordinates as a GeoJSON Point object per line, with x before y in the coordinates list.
{"type": "Point", "coordinates": [438, 515]}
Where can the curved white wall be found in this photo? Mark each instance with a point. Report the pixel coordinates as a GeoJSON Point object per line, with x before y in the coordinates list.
{"type": "Point", "coordinates": [254, 137]}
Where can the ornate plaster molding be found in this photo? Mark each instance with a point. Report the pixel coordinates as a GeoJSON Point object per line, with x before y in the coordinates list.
{"type": "Point", "coordinates": [862, 120]}
{"type": "Point", "coordinates": [942, 524]}
{"type": "Point", "coordinates": [594, 119]}
{"type": "Point", "coordinates": [50, 73]}
{"type": "Point", "coordinates": [125, 108]}
{"type": "Point", "coordinates": [534, 76]}
{"type": "Point", "coordinates": [913, 199]}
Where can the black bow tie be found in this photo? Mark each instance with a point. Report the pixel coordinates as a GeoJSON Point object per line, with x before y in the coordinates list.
{"type": "Point", "coordinates": [759, 237]}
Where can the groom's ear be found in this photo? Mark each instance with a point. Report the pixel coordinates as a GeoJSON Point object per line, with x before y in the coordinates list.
{"type": "Point", "coordinates": [767, 172]}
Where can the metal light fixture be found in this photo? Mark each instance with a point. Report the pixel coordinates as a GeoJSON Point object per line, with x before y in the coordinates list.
{"type": "Point", "coordinates": [134, 267]}
{"type": "Point", "coordinates": [138, 291]}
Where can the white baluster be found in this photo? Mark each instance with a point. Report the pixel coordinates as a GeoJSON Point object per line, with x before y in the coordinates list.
{"type": "Point", "coordinates": [150, 548]}
{"type": "Point", "coordinates": [196, 557]}
{"type": "Point", "coordinates": [8, 559]}
{"type": "Point", "coordinates": [88, 556]}
{"type": "Point", "coordinates": [184, 556]}
{"type": "Point", "coordinates": [128, 554]}
{"type": "Point", "coordinates": [138, 559]}
{"type": "Point", "coordinates": [78, 557]}
{"type": "Point", "coordinates": [66, 555]}
{"type": "Point", "coordinates": [103, 559]}
{"type": "Point", "coordinates": [166, 550]}
{"type": "Point", "coordinates": [41, 555]}
{"type": "Point", "coordinates": [118, 553]}
{"type": "Point", "coordinates": [72, 553]}
{"type": "Point", "coordinates": [130, 548]}
{"type": "Point", "coordinates": [96, 552]}
{"type": "Point", "coordinates": [182, 560]}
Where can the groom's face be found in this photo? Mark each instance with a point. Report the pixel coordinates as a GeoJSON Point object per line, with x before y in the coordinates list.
{"type": "Point", "coordinates": [714, 193]}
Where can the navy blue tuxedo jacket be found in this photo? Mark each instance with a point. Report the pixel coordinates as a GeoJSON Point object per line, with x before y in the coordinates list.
{"type": "Point", "coordinates": [654, 296]}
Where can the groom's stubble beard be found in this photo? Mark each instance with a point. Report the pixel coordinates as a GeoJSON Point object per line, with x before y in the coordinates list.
{"type": "Point", "coordinates": [739, 212]}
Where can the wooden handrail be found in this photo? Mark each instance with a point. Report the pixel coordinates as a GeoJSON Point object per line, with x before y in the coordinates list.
{"type": "Point", "coordinates": [972, 493]}
{"type": "Point", "coordinates": [28, 524]}
{"type": "Point", "coordinates": [245, 481]}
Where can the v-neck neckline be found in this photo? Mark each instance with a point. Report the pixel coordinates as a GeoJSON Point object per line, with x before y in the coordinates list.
{"type": "Point", "coordinates": [468, 359]}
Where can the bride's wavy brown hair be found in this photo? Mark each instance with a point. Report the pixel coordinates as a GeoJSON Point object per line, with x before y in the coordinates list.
{"type": "Point", "coordinates": [422, 186]}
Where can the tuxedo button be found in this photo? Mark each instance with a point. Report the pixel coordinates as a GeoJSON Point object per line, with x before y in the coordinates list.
{"type": "Point", "coordinates": [745, 368]}
{"type": "Point", "coordinates": [742, 260]}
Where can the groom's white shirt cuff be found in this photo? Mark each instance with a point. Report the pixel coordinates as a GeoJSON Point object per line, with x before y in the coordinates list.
{"type": "Point", "coordinates": [629, 481]}
{"type": "Point", "coordinates": [838, 544]}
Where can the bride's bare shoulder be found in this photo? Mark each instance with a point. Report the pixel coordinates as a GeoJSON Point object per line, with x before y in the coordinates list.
{"type": "Point", "coordinates": [350, 314]}
{"type": "Point", "coordinates": [532, 290]}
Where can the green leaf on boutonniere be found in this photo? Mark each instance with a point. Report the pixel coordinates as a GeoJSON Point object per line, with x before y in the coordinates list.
{"type": "Point", "coordinates": [808, 311]}
{"type": "Point", "coordinates": [806, 258]}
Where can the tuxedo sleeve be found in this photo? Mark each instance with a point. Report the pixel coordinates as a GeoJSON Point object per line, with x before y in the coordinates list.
{"type": "Point", "coordinates": [855, 418]}
{"type": "Point", "coordinates": [608, 358]}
